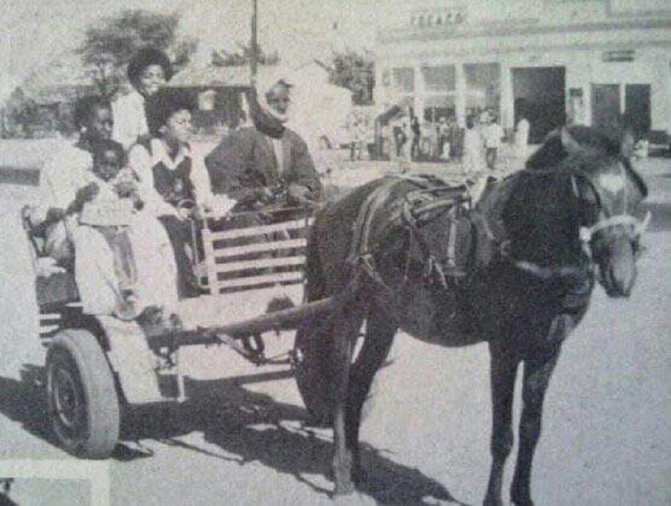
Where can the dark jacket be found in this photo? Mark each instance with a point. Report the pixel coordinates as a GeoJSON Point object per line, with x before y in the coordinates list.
{"type": "Point", "coordinates": [244, 162]}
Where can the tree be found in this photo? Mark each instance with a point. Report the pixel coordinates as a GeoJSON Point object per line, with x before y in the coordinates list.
{"type": "Point", "coordinates": [356, 72]}
{"type": "Point", "coordinates": [109, 46]}
{"type": "Point", "coordinates": [243, 57]}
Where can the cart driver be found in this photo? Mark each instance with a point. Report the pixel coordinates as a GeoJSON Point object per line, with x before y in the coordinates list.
{"type": "Point", "coordinates": [256, 165]}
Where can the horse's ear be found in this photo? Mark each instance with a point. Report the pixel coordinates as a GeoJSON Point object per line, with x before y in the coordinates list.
{"type": "Point", "coordinates": [570, 145]}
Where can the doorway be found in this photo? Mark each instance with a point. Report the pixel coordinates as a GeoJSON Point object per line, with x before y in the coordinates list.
{"type": "Point", "coordinates": [605, 105]}
{"type": "Point", "coordinates": [637, 108]}
{"type": "Point", "coordinates": [539, 96]}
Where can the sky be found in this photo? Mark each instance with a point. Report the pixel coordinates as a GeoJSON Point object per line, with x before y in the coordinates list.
{"type": "Point", "coordinates": [35, 31]}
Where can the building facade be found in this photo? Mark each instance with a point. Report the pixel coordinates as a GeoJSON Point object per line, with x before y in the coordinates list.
{"type": "Point", "coordinates": [551, 61]}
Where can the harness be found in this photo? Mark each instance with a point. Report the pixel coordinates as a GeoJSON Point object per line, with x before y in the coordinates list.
{"type": "Point", "coordinates": [432, 197]}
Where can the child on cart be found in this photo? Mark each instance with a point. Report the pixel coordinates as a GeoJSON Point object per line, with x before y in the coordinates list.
{"type": "Point", "coordinates": [107, 205]}
{"type": "Point", "coordinates": [115, 256]}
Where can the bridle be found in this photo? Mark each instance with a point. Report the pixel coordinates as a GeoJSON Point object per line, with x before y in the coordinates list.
{"type": "Point", "coordinates": [638, 226]}
{"type": "Point", "coordinates": [586, 233]}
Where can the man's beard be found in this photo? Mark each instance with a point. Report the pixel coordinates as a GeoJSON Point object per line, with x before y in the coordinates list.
{"type": "Point", "coordinates": [266, 119]}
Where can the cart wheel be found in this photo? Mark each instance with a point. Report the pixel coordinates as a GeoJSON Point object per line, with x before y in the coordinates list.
{"type": "Point", "coordinates": [312, 350]}
{"type": "Point", "coordinates": [81, 395]}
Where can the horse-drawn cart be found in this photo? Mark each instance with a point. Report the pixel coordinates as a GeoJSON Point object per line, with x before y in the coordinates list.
{"type": "Point", "coordinates": [96, 366]}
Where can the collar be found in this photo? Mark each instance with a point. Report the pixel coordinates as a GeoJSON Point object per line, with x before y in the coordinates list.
{"type": "Point", "coordinates": [160, 154]}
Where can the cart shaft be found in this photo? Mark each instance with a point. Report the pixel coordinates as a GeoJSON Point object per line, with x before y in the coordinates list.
{"type": "Point", "coordinates": [284, 319]}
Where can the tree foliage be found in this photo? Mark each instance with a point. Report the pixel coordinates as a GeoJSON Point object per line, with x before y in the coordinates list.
{"type": "Point", "coordinates": [356, 72]}
{"type": "Point", "coordinates": [108, 46]}
{"type": "Point", "coordinates": [243, 57]}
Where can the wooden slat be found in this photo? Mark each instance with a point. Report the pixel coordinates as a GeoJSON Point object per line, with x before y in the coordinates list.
{"type": "Point", "coordinates": [208, 248]}
{"type": "Point", "coordinates": [260, 230]}
{"type": "Point", "coordinates": [234, 251]}
{"type": "Point", "coordinates": [260, 264]}
{"type": "Point", "coordinates": [279, 277]}
{"type": "Point", "coordinates": [50, 317]}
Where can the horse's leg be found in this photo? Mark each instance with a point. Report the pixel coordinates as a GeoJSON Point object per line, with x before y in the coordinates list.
{"type": "Point", "coordinates": [503, 371]}
{"type": "Point", "coordinates": [537, 373]}
{"type": "Point", "coordinates": [346, 324]}
{"type": "Point", "coordinates": [377, 343]}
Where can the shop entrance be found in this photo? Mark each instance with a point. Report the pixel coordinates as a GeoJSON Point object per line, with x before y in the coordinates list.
{"type": "Point", "coordinates": [539, 95]}
{"type": "Point", "coordinates": [637, 108]}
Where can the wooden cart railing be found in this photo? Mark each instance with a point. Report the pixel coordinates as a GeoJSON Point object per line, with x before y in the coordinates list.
{"type": "Point", "coordinates": [255, 256]}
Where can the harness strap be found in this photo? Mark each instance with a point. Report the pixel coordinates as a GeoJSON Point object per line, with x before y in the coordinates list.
{"type": "Point", "coordinates": [362, 225]}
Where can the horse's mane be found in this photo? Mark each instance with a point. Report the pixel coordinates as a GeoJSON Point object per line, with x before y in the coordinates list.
{"type": "Point", "coordinates": [595, 141]}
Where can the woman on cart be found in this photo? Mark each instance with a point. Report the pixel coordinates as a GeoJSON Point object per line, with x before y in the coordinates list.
{"type": "Point", "coordinates": [69, 184]}
{"type": "Point", "coordinates": [175, 186]}
{"type": "Point", "coordinates": [149, 70]}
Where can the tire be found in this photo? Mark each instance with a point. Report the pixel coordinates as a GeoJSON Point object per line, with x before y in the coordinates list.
{"type": "Point", "coordinates": [312, 351]}
{"type": "Point", "coordinates": [82, 400]}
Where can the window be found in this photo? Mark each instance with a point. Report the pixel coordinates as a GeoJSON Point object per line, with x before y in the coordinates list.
{"type": "Point", "coordinates": [404, 79]}
{"type": "Point", "coordinates": [440, 78]}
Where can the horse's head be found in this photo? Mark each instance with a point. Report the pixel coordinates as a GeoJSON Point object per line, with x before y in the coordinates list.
{"type": "Point", "coordinates": [607, 191]}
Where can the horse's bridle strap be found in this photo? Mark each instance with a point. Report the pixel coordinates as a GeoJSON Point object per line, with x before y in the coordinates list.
{"type": "Point", "coordinates": [586, 233]}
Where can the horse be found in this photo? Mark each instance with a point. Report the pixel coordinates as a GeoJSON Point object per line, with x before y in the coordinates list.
{"type": "Point", "coordinates": [544, 236]}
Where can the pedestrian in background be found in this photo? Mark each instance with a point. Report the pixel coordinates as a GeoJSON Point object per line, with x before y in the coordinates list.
{"type": "Point", "coordinates": [415, 151]}
{"type": "Point", "coordinates": [473, 159]}
{"type": "Point", "coordinates": [522, 138]}
{"type": "Point", "coordinates": [492, 136]}
{"type": "Point", "coordinates": [442, 132]}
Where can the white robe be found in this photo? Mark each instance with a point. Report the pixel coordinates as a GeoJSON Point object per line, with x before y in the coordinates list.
{"type": "Point", "coordinates": [154, 260]}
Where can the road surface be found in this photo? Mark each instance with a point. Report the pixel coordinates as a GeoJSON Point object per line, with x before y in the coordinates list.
{"type": "Point", "coordinates": [606, 431]}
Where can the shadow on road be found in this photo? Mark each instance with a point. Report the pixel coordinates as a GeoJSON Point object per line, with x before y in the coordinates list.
{"type": "Point", "coordinates": [25, 402]}
{"type": "Point", "coordinates": [252, 427]}
{"type": "Point", "coordinates": [248, 427]}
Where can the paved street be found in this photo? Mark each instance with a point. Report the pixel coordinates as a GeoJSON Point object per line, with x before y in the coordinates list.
{"type": "Point", "coordinates": [606, 431]}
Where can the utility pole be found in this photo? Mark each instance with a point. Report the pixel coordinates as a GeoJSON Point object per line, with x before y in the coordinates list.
{"type": "Point", "coordinates": [254, 60]}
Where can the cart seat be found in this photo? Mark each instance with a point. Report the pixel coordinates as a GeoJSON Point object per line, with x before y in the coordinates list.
{"type": "Point", "coordinates": [53, 285]}
{"type": "Point", "coordinates": [57, 288]}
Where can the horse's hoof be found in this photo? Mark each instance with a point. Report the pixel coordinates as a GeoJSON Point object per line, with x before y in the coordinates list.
{"type": "Point", "coordinates": [344, 490]}
{"type": "Point", "coordinates": [355, 499]}
{"type": "Point", "coordinates": [517, 501]}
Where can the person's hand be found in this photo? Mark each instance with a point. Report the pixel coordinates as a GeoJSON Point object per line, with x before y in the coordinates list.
{"type": "Point", "coordinates": [138, 203]}
{"type": "Point", "coordinates": [87, 193]}
{"type": "Point", "coordinates": [264, 195]}
{"type": "Point", "coordinates": [299, 194]}
{"type": "Point", "coordinates": [126, 189]}
{"type": "Point", "coordinates": [184, 213]}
